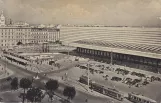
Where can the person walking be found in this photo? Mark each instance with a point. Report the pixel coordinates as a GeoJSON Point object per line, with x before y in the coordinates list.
{"type": "Point", "coordinates": [86, 100]}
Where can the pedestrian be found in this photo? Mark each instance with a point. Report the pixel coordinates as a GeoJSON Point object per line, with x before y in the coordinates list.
{"type": "Point", "coordinates": [86, 100]}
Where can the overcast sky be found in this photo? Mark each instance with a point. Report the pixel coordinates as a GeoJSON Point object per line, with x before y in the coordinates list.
{"type": "Point", "coordinates": [109, 12]}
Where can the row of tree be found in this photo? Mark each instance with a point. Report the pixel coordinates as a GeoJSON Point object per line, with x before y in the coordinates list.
{"type": "Point", "coordinates": [35, 94]}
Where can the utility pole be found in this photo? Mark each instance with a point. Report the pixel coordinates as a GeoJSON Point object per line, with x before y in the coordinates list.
{"type": "Point", "coordinates": [111, 57]}
{"type": "Point", "coordinates": [5, 65]}
{"type": "Point", "coordinates": [68, 49]}
{"type": "Point", "coordinates": [88, 76]}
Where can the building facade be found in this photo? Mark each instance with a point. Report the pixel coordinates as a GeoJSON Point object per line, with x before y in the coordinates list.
{"type": "Point", "coordinates": [10, 35]}
{"type": "Point", "coordinates": [41, 35]}
{"type": "Point", "coordinates": [138, 47]}
{"type": "Point", "coordinates": [2, 20]}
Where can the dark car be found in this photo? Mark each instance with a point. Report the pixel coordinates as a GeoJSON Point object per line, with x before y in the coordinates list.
{"type": "Point", "coordinates": [101, 72]}
{"type": "Point", "coordinates": [145, 83]}
{"type": "Point", "coordinates": [9, 79]}
{"type": "Point", "coordinates": [116, 79]}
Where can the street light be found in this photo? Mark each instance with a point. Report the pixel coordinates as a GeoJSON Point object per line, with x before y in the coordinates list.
{"type": "Point", "coordinates": [36, 77]}
{"type": "Point", "coordinates": [88, 75]}
{"type": "Point", "coordinates": [68, 49]}
{"type": "Point", "coordinates": [111, 57]}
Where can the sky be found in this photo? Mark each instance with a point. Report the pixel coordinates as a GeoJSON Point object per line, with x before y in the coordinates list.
{"type": "Point", "coordinates": [106, 12]}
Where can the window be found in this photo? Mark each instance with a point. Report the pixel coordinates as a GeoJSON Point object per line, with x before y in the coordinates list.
{"type": "Point", "coordinates": [135, 98]}
{"type": "Point", "coordinates": [139, 99]}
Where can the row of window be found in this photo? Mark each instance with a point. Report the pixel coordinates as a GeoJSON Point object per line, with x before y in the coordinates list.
{"type": "Point", "coordinates": [7, 44]}
{"type": "Point", "coordinates": [139, 99]}
{"type": "Point", "coordinates": [20, 36]}
{"type": "Point", "coordinates": [7, 37]}
{"type": "Point", "coordinates": [14, 29]}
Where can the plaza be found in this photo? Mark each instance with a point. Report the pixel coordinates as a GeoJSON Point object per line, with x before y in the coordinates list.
{"type": "Point", "coordinates": [101, 64]}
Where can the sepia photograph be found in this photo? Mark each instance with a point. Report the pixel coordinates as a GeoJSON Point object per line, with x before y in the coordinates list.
{"type": "Point", "coordinates": [80, 51]}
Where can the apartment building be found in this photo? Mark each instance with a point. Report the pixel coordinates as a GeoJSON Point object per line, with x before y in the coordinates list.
{"type": "Point", "coordinates": [10, 35]}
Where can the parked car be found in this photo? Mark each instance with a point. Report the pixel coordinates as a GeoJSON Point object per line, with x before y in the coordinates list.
{"type": "Point", "coordinates": [116, 79]}
{"type": "Point", "coordinates": [145, 83]}
{"type": "Point", "coordinates": [9, 79]}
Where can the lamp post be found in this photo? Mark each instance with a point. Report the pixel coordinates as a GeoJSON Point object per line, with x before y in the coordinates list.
{"type": "Point", "coordinates": [5, 65]}
{"type": "Point", "coordinates": [111, 63]}
{"type": "Point", "coordinates": [88, 76]}
{"type": "Point", "coordinates": [36, 76]}
{"type": "Point", "coordinates": [111, 57]}
{"type": "Point", "coordinates": [68, 49]}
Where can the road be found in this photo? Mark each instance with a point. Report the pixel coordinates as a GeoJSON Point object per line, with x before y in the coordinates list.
{"type": "Point", "coordinates": [79, 98]}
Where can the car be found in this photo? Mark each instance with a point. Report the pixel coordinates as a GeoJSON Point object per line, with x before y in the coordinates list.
{"type": "Point", "coordinates": [157, 79]}
{"type": "Point", "coordinates": [9, 79]}
{"type": "Point", "coordinates": [138, 85]}
{"type": "Point", "coordinates": [105, 76]}
{"type": "Point", "coordinates": [101, 72]}
{"type": "Point", "coordinates": [116, 79]}
{"type": "Point", "coordinates": [145, 83]}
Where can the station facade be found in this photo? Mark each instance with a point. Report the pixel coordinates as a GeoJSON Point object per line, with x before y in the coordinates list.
{"type": "Point", "coordinates": [140, 62]}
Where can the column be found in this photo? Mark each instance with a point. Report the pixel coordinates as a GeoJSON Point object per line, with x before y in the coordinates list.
{"type": "Point", "coordinates": [59, 35]}
{"type": "Point", "coordinates": [85, 50]}
{"type": "Point", "coordinates": [111, 57]}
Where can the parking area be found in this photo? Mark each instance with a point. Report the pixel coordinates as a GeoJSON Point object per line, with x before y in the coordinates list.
{"type": "Point", "coordinates": [122, 78]}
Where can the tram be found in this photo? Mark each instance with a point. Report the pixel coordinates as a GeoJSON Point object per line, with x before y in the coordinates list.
{"type": "Point", "coordinates": [84, 80]}
{"type": "Point", "coordinates": [136, 98]}
{"type": "Point", "coordinates": [114, 93]}
{"type": "Point", "coordinates": [102, 89]}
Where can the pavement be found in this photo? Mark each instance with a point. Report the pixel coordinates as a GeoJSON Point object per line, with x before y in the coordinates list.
{"type": "Point", "coordinates": [151, 90]}
{"type": "Point", "coordinates": [80, 96]}
{"type": "Point", "coordinates": [14, 97]}
{"type": "Point", "coordinates": [73, 81]}
{"type": "Point", "coordinates": [5, 72]}
{"type": "Point", "coordinates": [68, 65]}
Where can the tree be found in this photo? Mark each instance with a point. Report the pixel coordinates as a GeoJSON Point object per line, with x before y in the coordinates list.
{"type": "Point", "coordinates": [35, 95]}
{"type": "Point", "coordinates": [70, 92]}
{"type": "Point", "coordinates": [51, 86]}
{"type": "Point", "coordinates": [14, 83]}
{"type": "Point", "coordinates": [25, 83]}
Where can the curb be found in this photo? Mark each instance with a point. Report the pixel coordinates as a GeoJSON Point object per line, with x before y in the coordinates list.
{"type": "Point", "coordinates": [92, 93]}
{"type": "Point", "coordinates": [6, 76]}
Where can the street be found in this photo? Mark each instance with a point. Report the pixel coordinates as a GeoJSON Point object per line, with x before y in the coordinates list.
{"type": "Point", "coordinates": [80, 96]}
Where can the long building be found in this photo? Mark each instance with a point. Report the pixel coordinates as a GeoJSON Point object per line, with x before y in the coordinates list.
{"type": "Point", "coordinates": [126, 44]}
{"type": "Point", "coordinates": [21, 32]}
{"type": "Point", "coordinates": [10, 36]}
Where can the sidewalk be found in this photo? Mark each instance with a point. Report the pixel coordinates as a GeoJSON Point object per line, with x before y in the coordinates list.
{"type": "Point", "coordinates": [84, 88]}
{"type": "Point", "coordinates": [5, 72]}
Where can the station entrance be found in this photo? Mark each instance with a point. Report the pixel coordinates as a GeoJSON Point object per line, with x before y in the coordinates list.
{"type": "Point", "coordinates": [145, 63]}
